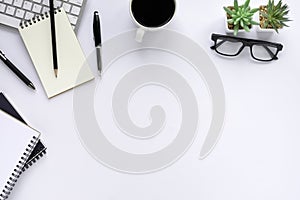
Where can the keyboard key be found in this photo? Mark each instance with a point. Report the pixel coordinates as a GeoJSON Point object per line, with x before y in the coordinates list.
{"type": "Point", "coordinates": [75, 10]}
{"type": "Point", "coordinates": [20, 13]}
{"type": "Point", "coordinates": [27, 5]}
{"type": "Point", "coordinates": [9, 20]}
{"type": "Point", "coordinates": [76, 2]}
{"type": "Point", "coordinates": [10, 10]}
{"type": "Point", "coordinates": [2, 7]}
{"type": "Point", "coordinates": [8, 1]}
{"type": "Point", "coordinates": [18, 3]}
{"type": "Point", "coordinates": [46, 2]}
{"type": "Point", "coordinates": [45, 9]}
{"type": "Point", "coordinates": [57, 4]}
{"type": "Point", "coordinates": [29, 15]}
{"type": "Point", "coordinates": [36, 8]}
{"type": "Point", "coordinates": [37, 1]}
{"type": "Point", "coordinates": [67, 7]}
{"type": "Point", "coordinates": [73, 19]}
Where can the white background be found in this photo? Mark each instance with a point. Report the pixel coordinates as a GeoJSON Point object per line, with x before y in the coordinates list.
{"type": "Point", "coordinates": [256, 158]}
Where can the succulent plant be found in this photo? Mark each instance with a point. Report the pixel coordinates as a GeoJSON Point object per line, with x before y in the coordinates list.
{"type": "Point", "coordinates": [274, 16]}
{"type": "Point", "coordinates": [241, 16]}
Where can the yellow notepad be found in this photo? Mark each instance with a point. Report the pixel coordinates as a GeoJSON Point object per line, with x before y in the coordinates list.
{"type": "Point", "coordinates": [73, 69]}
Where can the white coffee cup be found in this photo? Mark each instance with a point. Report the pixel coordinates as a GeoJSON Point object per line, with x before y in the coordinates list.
{"type": "Point", "coordinates": [158, 19]}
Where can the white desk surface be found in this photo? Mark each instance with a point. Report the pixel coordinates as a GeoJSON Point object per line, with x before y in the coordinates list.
{"type": "Point", "coordinates": [257, 156]}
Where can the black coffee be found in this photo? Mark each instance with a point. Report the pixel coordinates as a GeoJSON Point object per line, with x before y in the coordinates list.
{"type": "Point", "coordinates": [153, 13]}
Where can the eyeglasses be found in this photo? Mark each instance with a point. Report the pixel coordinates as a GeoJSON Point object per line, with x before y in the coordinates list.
{"type": "Point", "coordinates": [232, 46]}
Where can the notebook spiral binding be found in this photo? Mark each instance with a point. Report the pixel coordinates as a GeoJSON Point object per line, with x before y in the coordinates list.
{"type": "Point", "coordinates": [18, 170]}
{"type": "Point", "coordinates": [33, 160]}
{"type": "Point", "coordinates": [36, 19]}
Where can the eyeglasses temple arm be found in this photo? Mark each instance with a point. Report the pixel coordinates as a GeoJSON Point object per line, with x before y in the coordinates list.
{"type": "Point", "coordinates": [270, 52]}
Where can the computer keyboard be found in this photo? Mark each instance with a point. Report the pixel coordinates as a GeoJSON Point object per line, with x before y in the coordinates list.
{"type": "Point", "coordinates": [12, 12]}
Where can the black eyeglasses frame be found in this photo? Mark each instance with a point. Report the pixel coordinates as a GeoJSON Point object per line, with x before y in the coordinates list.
{"type": "Point", "coordinates": [246, 43]}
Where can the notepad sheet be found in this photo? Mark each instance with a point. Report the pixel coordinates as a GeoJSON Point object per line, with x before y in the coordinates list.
{"type": "Point", "coordinates": [73, 69]}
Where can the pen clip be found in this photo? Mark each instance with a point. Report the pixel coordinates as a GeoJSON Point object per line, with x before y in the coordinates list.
{"type": "Point", "coordinates": [97, 29]}
{"type": "Point", "coordinates": [2, 55]}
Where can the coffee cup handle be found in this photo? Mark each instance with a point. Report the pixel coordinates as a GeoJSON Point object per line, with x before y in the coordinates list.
{"type": "Point", "coordinates": [140, 35]}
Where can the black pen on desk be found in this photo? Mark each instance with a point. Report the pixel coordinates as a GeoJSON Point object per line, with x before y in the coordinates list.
{"type": "Point", "coordinates": [97, 38]}
{"type": "Point", "coordinates": [13, 68]}
{"type": "Point", "coordinates": [53, 36]}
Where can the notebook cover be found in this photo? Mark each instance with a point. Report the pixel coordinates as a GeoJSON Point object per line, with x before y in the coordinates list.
{"type": "Point", "coordinates": [16, 144]}
{"type": "Point", "coordinates": [73, 68]}
{"type": "Point", "coordinates": [40, 148]}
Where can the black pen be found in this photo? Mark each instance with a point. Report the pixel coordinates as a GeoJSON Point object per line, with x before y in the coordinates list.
{"type": "Point", "coordinates": [53, 37]}
{"type": "Point", "coordinates": [13, 68]}
{"type": "Point", "coordinates": [97, 38]}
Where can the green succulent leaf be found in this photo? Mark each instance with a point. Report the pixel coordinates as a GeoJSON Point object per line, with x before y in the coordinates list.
{"type": "Point", "coordinates": [266, 24]}
{"type": "Point", "coordinates": [284, 24]}
{"type": "Point", "coordinates": [230, 21]}
{"type": "Point", "coordinates": [237, 21]}
{"type": "Point", "coordinates": [254, 22]}
{"type": "Point", "coordinates": [236, 5]}
{"type": "Point", "coordinates": [285, 19]}
{"type": "Point", "coordinates": [279, 5]}
{"type": "Point", "coordinates": [228, 11]}
{"type": "Point", "coordinates": [242, 23]}
{"type": "Point", "coordinates": [269, 7]}
{"type": "Point", "coordinates": [236, 29]}
{"type": "Point", "coordinates": [246, 5]}
{"type": "Point", "coordinates": [253, 11]}
{"type": "Point", "coordinates": [247, 28]}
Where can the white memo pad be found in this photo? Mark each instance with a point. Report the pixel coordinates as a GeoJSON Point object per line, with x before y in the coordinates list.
{"type": "Point", "coordinates": [71, 59]}
{"type": "Point", "coordinates": [16, 139]}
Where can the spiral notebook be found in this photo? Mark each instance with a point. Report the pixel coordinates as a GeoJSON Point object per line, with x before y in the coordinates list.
{"type": "Point", "coordinates": [73, 69]}
{"type": "Point", "coordinates": [40, 148]}
{"type": "Point", "coordinates": [16, 144]}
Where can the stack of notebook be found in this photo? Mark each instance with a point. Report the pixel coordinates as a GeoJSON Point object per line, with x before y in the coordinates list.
{"type": "Point", "coordinates": [20, 146]}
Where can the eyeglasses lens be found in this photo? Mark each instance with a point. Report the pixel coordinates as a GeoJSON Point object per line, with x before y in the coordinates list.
{"type": "Point", "coordinates": [264, 52]}
{"type": "Point", "coordinates": [228, 47]}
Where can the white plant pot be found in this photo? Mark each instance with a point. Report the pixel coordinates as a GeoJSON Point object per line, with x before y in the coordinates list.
{"type": "Point", "coordinates": [265, 30]}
